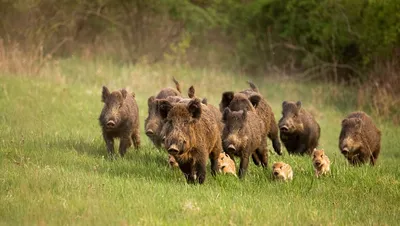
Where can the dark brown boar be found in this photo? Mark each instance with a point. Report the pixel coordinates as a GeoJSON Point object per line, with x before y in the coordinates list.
{"type": "Point", "coordinates": [119, 119]}
{"type": "Point", "coordinates": [191, 135]}
{"type": "Point", "coordinates": [299, 131]}
{"type": "Point", "coordinates": [244, 135]}
{"type": "Point", "coordinates": [237, 101]}
{"type": "Point", "coordinates": [360, 139]}
{"type": "Point", "coordinates": [153, 123]}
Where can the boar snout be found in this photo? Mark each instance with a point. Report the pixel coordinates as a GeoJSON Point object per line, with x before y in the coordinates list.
{"type": "Point", "coordinates": [276, 173]}
{"type": "Point", "coordinates": [317, 163]}
{"type": "Point", "coordinates": [110, 124]}
{"type": "Point", "coordinates": [150, 132]}
{"type": "Point", "coordinates": [173, 149]}
{"type": "Point", "coordinates": [345, 151]}
{"type": "Point", "coordinates": [284, 128]}
{"type": "Point", "coordinates": [231, 147]}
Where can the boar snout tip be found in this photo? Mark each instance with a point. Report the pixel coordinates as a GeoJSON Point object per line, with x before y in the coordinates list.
{"type": "Point", "coordinates": [149, 132]}
{"type": "Point", "coordinates": [231, 147]}
{"type": "Point", "coordinates": [284, 128]}
{"type": "Point", "coordinates": [110, 123]}
{"type": "Point", "coordinates": [345, 151]}
{"type": "Point", "coordinates": [173, 149]}
{"type": "Point", "coordinates": [276, 173]}
{"type": "Point", "coordinates": [317, 163]}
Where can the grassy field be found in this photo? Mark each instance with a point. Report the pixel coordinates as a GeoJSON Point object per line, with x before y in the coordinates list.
{"type": "Point", "coordinates": [54, 170]}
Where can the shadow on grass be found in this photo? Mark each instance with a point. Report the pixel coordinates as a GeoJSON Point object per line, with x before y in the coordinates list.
{"type": "Point", "coordinates": [145, 162]}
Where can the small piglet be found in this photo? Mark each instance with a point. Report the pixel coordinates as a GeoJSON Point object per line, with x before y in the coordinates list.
{"type": "Point", "coordinates": [321, 162]}
{"type": "Point", "coordinates": [119, 119]}
{"type": "Point", "coordinates": [282, 171]}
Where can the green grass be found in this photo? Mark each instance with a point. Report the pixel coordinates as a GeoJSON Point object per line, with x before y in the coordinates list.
{"type": "Point", "coordinates": [54, 171]}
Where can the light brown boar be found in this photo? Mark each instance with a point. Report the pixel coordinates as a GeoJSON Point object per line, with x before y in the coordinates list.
{"type": "Point", "coordinates": [225, 164]}
{"type": "Point", "coordinates": [320, 162]}
{"type": "Point", "coordinates": [244, 136]}
{"type": "Point", "coordinates": [153, 122]}
{"type": "Point", "coordinates": [239, 101]}
{"type": "Point", "coordinates": [282, 171]}
{"type": "Point", "coordinates": [299, 131]}
{"type": "Point", "coordinates": [191, 136]}
{"type": "Point", "coordinates": [360, 139]}
{"type": "Point", "coordinates": [119, 118]}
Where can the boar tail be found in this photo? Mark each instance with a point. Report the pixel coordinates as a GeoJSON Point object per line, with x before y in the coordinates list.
{"type": "Point", "coordinates": [178, 87]}
{"type": "Point", "coordinates": [253, 87]}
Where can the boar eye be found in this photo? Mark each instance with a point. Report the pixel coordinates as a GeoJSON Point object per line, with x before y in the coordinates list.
{"type": "Point", "coordinates": [294, 116]}
{"type": "Point", "coordinates": [280, 167]}
{"type": "Point", "coordinates": [322, 156]}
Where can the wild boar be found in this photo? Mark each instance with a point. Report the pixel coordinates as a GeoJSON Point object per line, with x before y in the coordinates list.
{"type": "Point", "coordinates": [153, 123]}
{"type": "Point", "coordinates": [244, 135]}
{"type": "Point", "coordinates": [360, 139]}
{"type": "Point", "coordinates": [240, 101]}
{"type": "Point", "coordinates": [299, 131]}
{"type": "Point", "coordinates": [282, 171]}
{"type": "Point", "coordinates": [119, 118]}
{"type": "Point", "coordinates": [320, 162]}
{"type": "Point", "coordinates": [190, 134]}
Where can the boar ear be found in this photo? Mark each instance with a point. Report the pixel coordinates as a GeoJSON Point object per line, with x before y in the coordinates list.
{"type": "Point", "coordinates": [194, 107]}
{"type": "Point", "coordinates": [150, 100]}
{"type": "Point", "coordinates": [225, 114]}
{"type": "Point", "coordinates": [164, 108]}
{"type": "Point", "coordinates": [178, 87]}
{"type": "Point", "coordinates": [344, 121]}
{"type": "Point", "coordinates": [124, 93]}
{"type": "Point", "coordinates": [255, 100]}
{"type": "Point", "coordinates": [105, 93]}
{"type": "Point", "coordinates": [191, 92]}
{"type": "Point", "coordinates": [284, 103]}
{"type": "Point", "coordinates": [252, 86]}
{"type": "Point", "coordinates": [226, 99]}
{"type": "Point", "coordinates": [204, 101]}
{"type": "Point", "coordinates": [298, 104]}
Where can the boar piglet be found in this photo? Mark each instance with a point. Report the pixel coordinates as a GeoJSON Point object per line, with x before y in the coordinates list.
{"type": "Point", "coordinates": [360, 139]}
{"type": "Point", "coordinates": [244, 135]}
{"type": "Point", "coordinates": [299, 131]}
{"type": "Point", "coordinates": [191, 136]}
{"type": "Point", "coordinates": [119, 119]}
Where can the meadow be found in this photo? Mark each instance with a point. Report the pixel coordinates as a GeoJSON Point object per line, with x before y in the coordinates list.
{"type": "Point", "coordinates": [55, 171]}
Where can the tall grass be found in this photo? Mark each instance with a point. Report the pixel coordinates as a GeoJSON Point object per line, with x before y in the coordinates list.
{"type": "Point", "coordinates": [54, 171]}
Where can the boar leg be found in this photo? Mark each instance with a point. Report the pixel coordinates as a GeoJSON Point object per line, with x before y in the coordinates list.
{"type": "Point", "coordinates": [201, 171]}
{"type": "Point", "coordinates": [255, 158]}
{"type": "Point", "coordinates": [124, 144]}
{"type": "Point", "coordinates": [273, 136]}
{"type": "Point", "coordinates": [244, 164]}
{"type": "Point", "coordinates": [136, 139]}
{"type": "Point", "coordinates": [262, 155]}
{"type": "Point", "coordinates": [214, 159]}
{"type": "Point", "coordinates": [188, 172]}
{"type": "Point", "coordinates": [109, 143]}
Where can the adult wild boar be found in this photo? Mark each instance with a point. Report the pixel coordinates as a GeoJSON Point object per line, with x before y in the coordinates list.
{"type": "Point", "coordinates": [191, 135]}
{"type": "Point", "coordinates": [244, 135]}
{"type": "Point", "coordinates": [360, 139]}
{"type": "Point", "coordinates": [299, 131]}
{"type": "Point", "coordinates": [239, 101]}
{"type": "Point", "coordinates": [153, 123]}
{"type": "Point", "coordinates": [119, 119]}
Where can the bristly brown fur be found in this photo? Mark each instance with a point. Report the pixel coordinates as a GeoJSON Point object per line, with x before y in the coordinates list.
{"type": "Point", "coordinates": [303, 131]}
{"type": "Point", "coordinates": [153, 122]}
{"type": "Point", "coordinates": [249, 99]}
{"type": "Point", "coordinates": [191, 136]}
{"type": "Point", "coordinates": [360, 139]}
{"type": "Point", "coordinates": [244, 136]}
{"type": "Point", "coordinates": [119, 119]}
